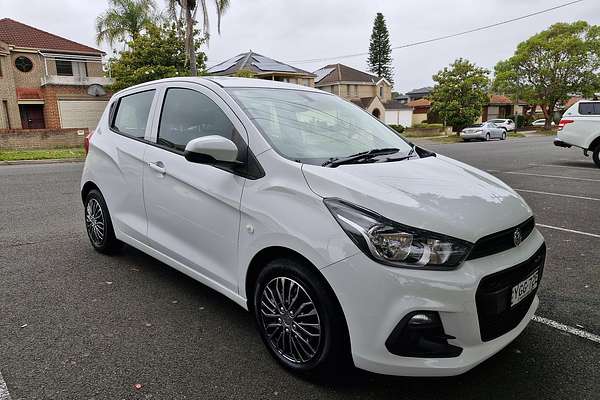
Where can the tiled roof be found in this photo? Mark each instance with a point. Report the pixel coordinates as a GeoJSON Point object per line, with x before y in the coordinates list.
{"type": "Point", "coordinates": [343, 73]}
{"type": "Point", "coordinates": [499, 99]}
{"type": "Point", "coordinates": [20, 35]}
{"type": "Point", "coordinates": [256, 63]}
{"type": "Point", "coordinates": [423, 90]}
{"type": "Point", "coordinates": [395, 105]}
{"type": "Point", "coordinates": [363, 102]}
{"type": "Point", "coordinates": [419, 103]}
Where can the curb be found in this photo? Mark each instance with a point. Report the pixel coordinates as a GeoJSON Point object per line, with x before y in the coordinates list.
{"type": "Point", "coordinates": [48, 161]}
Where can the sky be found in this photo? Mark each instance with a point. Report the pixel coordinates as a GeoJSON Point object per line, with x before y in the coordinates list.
{"type": "Point", "coordinates": [298, 30]}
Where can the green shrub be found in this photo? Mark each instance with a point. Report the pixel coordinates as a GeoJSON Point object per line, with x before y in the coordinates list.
{"type": "Point", "coordinates": [397, 128]}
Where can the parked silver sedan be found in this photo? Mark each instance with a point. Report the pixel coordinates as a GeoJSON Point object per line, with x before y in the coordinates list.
{"type": "Point", "coordinates": [486, 131]}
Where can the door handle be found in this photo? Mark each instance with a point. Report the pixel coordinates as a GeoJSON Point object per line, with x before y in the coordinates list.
{"type": "Point", "coordinates": [158, 167]}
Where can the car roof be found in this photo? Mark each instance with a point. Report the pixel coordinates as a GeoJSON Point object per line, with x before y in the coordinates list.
{"type": "Point", "coordinates": [231, 82]}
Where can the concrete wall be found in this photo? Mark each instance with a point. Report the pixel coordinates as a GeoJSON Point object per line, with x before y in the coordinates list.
{"type": "Point", "coordinates": [23, 139]}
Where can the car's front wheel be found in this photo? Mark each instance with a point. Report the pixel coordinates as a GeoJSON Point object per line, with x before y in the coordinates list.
{"type": "Point", "coordinates": [487, 136]}
{"type": "Point", "coordinates": [504, 135]}
{"type": "Point", "coordinates": [596, 156]}
{"type": "Point", "coordinates": [99, 225]}
{"type": "Point", "coordinates": [299, 318]}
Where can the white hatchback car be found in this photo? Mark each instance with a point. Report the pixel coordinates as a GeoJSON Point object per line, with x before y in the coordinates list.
{"type": "Point", "coordinates": [345, 241]}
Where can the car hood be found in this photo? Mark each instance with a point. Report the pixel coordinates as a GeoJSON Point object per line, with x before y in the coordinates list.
{"type": "Point", "coordinates": [433, 193]}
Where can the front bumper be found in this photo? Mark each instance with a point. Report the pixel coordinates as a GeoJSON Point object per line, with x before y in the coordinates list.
{"type": "Point", "coordinates": [375, 298]}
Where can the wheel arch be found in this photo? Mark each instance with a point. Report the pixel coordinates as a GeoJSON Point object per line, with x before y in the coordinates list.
{"type": "Point", "coordinates": [88, 187]}
{"type": "Point", "coordinates": [595, 143]}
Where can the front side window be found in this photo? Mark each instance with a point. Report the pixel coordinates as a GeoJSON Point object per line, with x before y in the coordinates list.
{"type": "Point", "coordinates": [313, 127]}
{"type": "Point", "coordinates": [132, 114]}
{"type": "Point", "coordinates": [589, 108]}
{"type": "Point", "coordinates": [23, 64]}
{"type": "Point", "coordinates": [188, 114]}
{"type": "Point", "coordinates": [64, 68]}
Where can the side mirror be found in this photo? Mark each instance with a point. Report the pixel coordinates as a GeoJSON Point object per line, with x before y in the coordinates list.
{"type": "Point", "coordinates": [211, 149]}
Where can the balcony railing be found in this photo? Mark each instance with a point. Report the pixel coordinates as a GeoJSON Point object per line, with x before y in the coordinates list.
{"type": "Point", "coordinates": [76, 80]}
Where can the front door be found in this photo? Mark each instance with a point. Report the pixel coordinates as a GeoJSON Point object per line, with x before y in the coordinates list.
{"type": "Point", "coordinates": [194, 209]}
{"type": "Point", "coordinates": [32, 116]}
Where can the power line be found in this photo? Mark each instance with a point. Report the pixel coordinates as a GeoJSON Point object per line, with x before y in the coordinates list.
{"type": "Point", "coordinates": [481, 28]}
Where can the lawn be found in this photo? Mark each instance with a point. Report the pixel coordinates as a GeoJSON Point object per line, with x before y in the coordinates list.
{"type": "Point", "coordinates": [17, 155]}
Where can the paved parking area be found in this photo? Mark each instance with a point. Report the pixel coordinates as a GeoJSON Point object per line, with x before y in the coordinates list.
{"type": "Point", "coordinates": [75, 324]}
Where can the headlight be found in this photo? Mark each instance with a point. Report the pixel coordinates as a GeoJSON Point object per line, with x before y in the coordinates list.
{"type": "Point", "coordinates": [394, 244]}
{"type": "Point", "coordinates": [479, 131]}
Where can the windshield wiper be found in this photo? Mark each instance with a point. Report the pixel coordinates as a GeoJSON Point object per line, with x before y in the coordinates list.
{"type": "Point", "coordinates": [362, 156]}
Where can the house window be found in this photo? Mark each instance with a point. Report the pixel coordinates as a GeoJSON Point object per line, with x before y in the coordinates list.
{"type": "Point", "coordinates": [23, 64]}
{"type": "Point", "coordinates": [381, 91]}
{"type": "Point", "coordinates": [64, 68]}
{"type": "Point", "coordinates": [0, 68]}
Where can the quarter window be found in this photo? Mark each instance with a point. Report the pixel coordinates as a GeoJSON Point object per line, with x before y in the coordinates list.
{"type": "Point", "coordinates": [132, 114]}
{"type": "Point", "coordinates": [589, 108]}
{"type": "Point", "coordinates": [188, 115]}
{"type": "Point", "coordinates": [23, 64]}
{"type": "Point", "coordinates": [64, 68]}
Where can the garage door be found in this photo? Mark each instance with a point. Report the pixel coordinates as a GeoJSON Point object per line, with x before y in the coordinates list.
{"type": "Point", "coordinates": [80, 114]}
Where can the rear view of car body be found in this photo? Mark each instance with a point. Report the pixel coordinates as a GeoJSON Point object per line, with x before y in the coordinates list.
{"type": "Point", "coordinates": [580, 127]}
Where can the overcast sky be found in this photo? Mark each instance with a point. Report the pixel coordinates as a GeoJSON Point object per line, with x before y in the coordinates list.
{"type": "Point", "coordinates": [307, 29]}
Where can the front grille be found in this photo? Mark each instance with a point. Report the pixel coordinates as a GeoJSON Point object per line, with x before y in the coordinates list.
{"type": "Point", "coordinates": [500, 241]}
{"type": "Point", "coordinates": [496, 316]}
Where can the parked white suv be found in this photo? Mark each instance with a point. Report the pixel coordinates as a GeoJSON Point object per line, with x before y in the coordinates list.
{"type": "Point", "coordinates": [345, 241]}
{"type": "Point", "coordinates": [580, 127]}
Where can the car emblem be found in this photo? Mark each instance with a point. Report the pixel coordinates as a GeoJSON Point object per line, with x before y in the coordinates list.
{"type": "Point", "coordinates": [517, 238]}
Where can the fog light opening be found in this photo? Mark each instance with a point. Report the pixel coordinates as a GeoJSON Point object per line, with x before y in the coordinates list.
{"type": "Point", "coordinates": [421, 334]}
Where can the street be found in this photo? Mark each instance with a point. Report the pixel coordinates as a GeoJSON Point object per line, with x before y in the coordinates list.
{"type": "Point", "coordinates": [76, 324]}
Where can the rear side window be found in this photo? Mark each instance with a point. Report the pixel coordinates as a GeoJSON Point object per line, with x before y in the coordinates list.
{"type": "Point", "coordinates": [188, 115]}
{"type": "Point", "coordinates": [589, 108]}
{"type": "Point", "coordinates": [132, 114]}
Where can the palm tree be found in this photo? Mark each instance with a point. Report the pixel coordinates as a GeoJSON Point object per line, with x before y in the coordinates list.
{"type": "Point", "coordinates": [124, 20]}
{"type": "Point", "coordinates": [188, 11]}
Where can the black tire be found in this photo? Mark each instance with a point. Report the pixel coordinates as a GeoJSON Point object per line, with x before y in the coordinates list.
{"type": "Point", "coordinates": [331, 349]}
{"type": "Point", "coordinates": [596, 156]}
{"type": "Point", "coordinates": [99, 225]}
{"type": "Point", "coordinates": [504, 135]}
{"type": "Point", "coordinates": [487, 136]}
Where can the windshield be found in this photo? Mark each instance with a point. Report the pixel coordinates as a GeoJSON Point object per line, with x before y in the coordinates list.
{"type": "Point", "coordinates": [314, 127]}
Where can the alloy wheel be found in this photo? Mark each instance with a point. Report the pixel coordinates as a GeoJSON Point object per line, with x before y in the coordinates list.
{"type": "Point", "coordinates": [290, 320]}
{"type": "Point", "coordinates": [94, 221]}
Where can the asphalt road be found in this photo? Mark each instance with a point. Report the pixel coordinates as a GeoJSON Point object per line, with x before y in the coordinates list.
{"type": "Point", "coordinates": [78, 325]}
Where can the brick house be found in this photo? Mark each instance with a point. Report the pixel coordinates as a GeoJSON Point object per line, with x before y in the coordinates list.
{"type": "Point", "coordinates": [47, 81]}
{"type": "Point", "coordinates": [368, 91]}
{"type": "Point", "coordinates": [262, 67]}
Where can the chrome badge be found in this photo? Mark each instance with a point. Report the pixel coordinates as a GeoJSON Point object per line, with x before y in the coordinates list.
{"type": "Point", "coordinates": [517, 238]}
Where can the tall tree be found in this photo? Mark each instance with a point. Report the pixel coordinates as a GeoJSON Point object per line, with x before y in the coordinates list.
{"type": "Point", "coordinates": [158, 52]}
{"type": "Point", "coordinates": [460, 93]}
{"type": "Point", "coordinates": [552, 65]}
{"type": "Point", "coordinates": [124, 20]}
{"type": "Point", "coordinates": [380, 52]}
{"type": "Point", "coordinates": [188, 10]}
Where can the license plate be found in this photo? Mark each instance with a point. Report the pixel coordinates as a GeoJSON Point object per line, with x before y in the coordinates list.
{"type": "Point", "coordinates": [522, 289]}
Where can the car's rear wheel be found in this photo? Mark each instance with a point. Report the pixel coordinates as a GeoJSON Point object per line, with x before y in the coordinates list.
{"type": "Point", "coordinates": [596, 156]}
{"type": "Point", "coordinates": [99, 225]}
{"type": "Point", "coordinates": [487, 136]}
{"type": "Point", "coordinates": [299, 318]}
